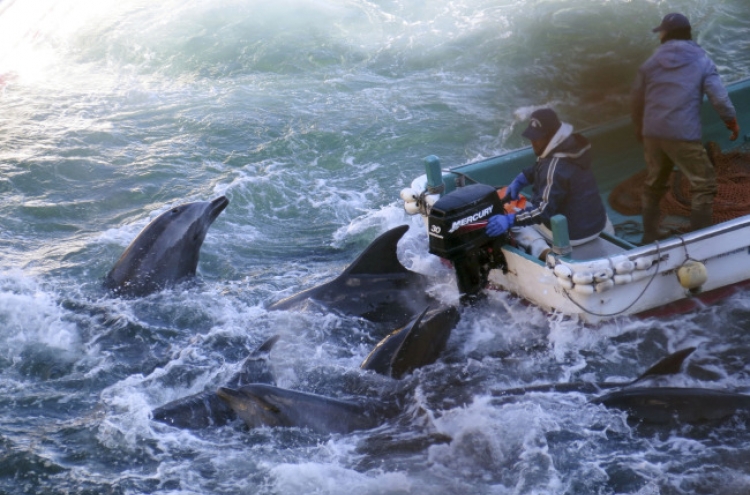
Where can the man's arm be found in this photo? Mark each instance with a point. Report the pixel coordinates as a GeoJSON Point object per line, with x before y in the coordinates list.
{"type": "Point", "coordinates": [553, 193]}
{"type": "Point", "coordinates": [718, 95]}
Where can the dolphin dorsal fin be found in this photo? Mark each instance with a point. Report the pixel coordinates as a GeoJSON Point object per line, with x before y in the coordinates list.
{"type": "Point", "coordinates": [668, 365]}
{"type": "Point", "coordinates": [266, 346]}
{"type": "Point", "coordinates": [380, 256]}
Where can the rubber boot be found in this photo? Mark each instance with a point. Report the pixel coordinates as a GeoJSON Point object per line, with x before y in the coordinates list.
{"type": "Point", "coordinates": [701, 217]}
{"type": "Point", "coordinates": [651, 230]}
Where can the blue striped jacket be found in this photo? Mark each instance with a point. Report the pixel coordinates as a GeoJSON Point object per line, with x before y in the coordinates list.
{"type": "Point", "coordinates": [563, 183]}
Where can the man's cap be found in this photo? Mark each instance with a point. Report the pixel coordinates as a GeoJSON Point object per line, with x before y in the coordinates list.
{"type": "Point", "coordinates": [671, 22]}
{"type": "Point", "coordinates": [544, 123]}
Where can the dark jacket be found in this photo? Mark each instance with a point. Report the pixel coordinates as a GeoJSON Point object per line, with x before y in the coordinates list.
{"type": "Point", "coordinates": [668, 92]}
{"type": "Point", "coordinates": [563, 183]}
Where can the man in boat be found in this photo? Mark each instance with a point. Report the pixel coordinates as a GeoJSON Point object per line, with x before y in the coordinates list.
{"type": "Point", "coordinates": [666, 102]}
{"type": "Point", "coordinates": [562, 183]}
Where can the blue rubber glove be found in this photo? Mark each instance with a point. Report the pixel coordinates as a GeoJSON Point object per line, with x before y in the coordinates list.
{"type": "Point", "coordinates": [514, 189]}
{"type": "Point", "coordinates": [499, 224]}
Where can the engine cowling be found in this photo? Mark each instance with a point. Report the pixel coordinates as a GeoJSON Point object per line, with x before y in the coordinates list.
{"type": "Point", "coordinates": [456, 226]}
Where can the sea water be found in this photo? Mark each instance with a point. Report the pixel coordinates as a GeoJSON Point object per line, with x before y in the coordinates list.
{"type": "Point", "coordinates": [310, 116]}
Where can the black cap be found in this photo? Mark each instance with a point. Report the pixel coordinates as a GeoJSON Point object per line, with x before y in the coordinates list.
{"type": "Point", "coordinates": [671, 22]}
{"type": "Point", "coordinates": [544, 123]}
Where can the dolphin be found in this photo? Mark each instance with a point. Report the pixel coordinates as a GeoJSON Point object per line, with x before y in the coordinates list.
{"type": "Point", "coordinates": [260, 405]}
{"type": "Point", "coordinates": [668, 404]}
{"type": "Point", "coordinates": [376, 286]}
{"type": "Point", "coordinates": [668, 365]}
{"type": "Point", "coordinates": [206, 409]}
{"type": "Point", "coordinates": [418, 343]}
{"type": "Point", "coordinates": [166, 251]}
{"type": "Point", "coordinates": [654, 404]}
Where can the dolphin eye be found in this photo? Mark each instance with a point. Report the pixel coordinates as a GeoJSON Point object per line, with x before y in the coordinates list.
{"type": "Point", "coordinates": [175, 210]}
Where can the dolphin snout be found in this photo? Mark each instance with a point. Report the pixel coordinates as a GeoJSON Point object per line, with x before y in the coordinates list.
{"type": "Point", "coordinates": [217, 206]}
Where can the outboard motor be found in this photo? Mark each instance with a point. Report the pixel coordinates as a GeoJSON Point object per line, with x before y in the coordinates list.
{"type": "Point", "coordinates": [457, 233]}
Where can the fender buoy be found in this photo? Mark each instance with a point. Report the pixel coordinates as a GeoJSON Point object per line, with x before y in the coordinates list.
{"type": "Point", "coordinates": [583, 278]}
{"type": "Point", "coordinates": [644, 263]}
{"type": "Point", "coordinates": [603, 275]}
{"type": "Point", "coordinates": [625, 278]}
{"type": "Point", "coordinates": [692, 275]}
{"type": "Point", "coordinates": [604, 286]}
{"type": "Point", "coordinates": [411, 208]}
{"type": "Point", "coordinates": [563, 272]}
{"type": "Point", "coordinates": [624, 267]}
{"type": "Point", "coordinates": [584, 289]}
{"type": "Point", "coordinates": [409, 195]}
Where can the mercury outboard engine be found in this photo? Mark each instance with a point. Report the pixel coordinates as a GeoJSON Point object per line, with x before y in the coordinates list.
{"type": "Point", "coordinates": [457, 233]}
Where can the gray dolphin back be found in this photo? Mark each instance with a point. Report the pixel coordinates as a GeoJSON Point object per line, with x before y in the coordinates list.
{"type": "Point", "coordinates": [417, 344]}
{"type": "Point", "coordinates": [675, 404]}
{"type": "Point", "coordinates": [375, 286]}
{"type": "Point", "coordinates": [261, 405]}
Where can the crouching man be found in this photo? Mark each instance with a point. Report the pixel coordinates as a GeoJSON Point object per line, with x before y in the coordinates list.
{"type": "Point", "coordinates": [562, 183]}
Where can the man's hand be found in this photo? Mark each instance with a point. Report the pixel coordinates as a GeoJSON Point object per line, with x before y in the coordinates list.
{"type": "Point", "coordinates": [733, 126]}
{"type": "Point", "coordinates": [499, 224]}
{"type": "Point", "coordinates": [514, 189]}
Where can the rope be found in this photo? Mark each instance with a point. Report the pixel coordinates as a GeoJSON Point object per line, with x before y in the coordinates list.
{"type": "Point", "coordinates": [605, 315]}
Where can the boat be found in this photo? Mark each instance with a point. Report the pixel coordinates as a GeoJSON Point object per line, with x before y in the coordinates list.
{"type": "Point", "coordinates": [611, 276]}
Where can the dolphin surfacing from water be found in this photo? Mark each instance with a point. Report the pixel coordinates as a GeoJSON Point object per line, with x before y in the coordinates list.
{"type": "Point", "coordinates": [376, 286]}
{"type": "Point", "coordinates": [663, 405]}
{"type": "Point", "coordinates": [260, 405]}
{"type": "Point", "coordinates": [658, 405]}
{"type": "Point", "coordinates": [669, 365]}
{"type": "Point", "coordinates": [669, 404]}
{"type": "Point", "coordinates": [419, 343]}
{"type": "Point", "coordinates": [206, 409]}
{"type": "Point", "coordinates": [166, 251]}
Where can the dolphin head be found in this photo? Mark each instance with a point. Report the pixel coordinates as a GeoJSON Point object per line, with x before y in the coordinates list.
{"type": "Point", "coordinates": [166, 251]}
{"type": "Point", "coordinates": [185, 226]}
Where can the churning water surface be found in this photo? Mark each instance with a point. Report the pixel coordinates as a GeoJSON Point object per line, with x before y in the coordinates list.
{"type": "Point", "coordinates": [310, 116]}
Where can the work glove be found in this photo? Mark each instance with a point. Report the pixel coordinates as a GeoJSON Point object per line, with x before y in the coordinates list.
{"type": "Point", "coordinates": [499, 224]}
{"type": "Point", "coordinates": [733, 126]}
{"type": "Point", "coordinates": [514, 189]}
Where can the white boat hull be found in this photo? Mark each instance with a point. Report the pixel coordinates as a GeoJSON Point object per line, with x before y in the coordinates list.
{"type": "Point", "coordinates": [652, 283]}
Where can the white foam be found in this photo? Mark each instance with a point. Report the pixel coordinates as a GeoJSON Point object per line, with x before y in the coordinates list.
{"type": "Point", "coordinates": [308, 477]}
{"type": "Point", "coordinates": [30, 314]}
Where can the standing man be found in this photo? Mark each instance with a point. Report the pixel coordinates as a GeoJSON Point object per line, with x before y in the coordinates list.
{"type": "Point", "coordinates": [562, 183]}
{"type": "Point", "coordinates": [666, 102]}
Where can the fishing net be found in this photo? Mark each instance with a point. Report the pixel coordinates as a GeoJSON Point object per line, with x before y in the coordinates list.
{"type": "Point", "coordinates": [732, 179]}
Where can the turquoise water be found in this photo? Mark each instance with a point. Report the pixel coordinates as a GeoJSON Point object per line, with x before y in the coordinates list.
{"type": "Point", "coordinates": [310, 116]}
